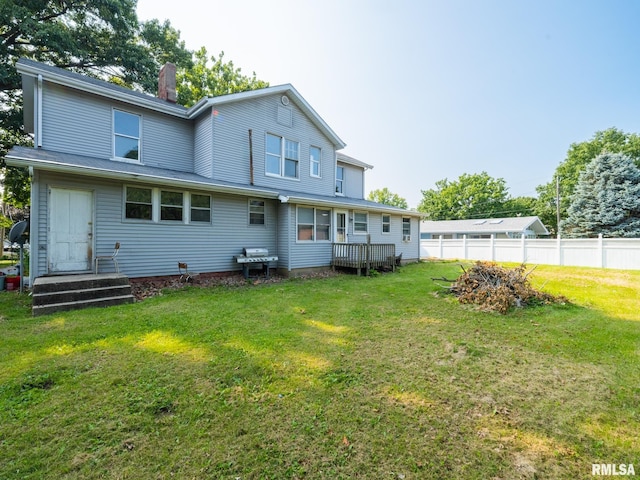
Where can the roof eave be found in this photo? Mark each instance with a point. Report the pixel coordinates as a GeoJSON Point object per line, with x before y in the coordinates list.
{"type": "Point", "coordinates": [207, 102]}
{"type": "Point", "coordinates": [103, 173]}
{"type": "Point", "coordinates": [120, 95]}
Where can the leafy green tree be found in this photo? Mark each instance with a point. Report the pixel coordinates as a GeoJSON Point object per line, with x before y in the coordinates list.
{"type": "Point", "coordinates": [101, 38]}
{"type": "Point", "coordinates": [471, 196]}
{"type": "Point", "coordinates": [220, 78]}
{"type": "Point", "coordinates": [567, 173]}
{"type": "Point", "coordinates": [519, 207]}
{"type": "Point", "coordinates": [606, 199]}
{"type": "Point", "coordinates": [386, 197]}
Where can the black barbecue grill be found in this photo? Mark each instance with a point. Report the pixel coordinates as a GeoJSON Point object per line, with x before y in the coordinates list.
{"type": "Point", "coordinates": [254, 257]}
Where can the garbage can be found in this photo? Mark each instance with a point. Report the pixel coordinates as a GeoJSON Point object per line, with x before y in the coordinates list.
{"type": "Point", "coordinates": [13, 283]}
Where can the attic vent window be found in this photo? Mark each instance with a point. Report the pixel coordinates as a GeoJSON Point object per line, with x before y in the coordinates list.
{"type": "Point", "coordinates": [495, 222]}
{"type": "Point", "coordinates": [480, 222]}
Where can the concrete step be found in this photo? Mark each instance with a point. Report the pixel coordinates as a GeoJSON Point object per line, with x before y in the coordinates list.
{"type": "Point", "coordinates": [79, 304]}
{"type": "Point", "coordinates": [72, 292]}
{"type": "Point", "coordinates": [77, 282]}
{"type": "Point", "coordinates": [66, 296]}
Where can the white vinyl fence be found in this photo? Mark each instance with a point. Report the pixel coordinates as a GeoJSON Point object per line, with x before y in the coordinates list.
{"type": "Point", "coordinates": [622, 253]}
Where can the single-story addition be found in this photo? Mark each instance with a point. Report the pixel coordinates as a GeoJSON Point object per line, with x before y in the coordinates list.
{"type": "Point", "coordinates": [196, 185]}
{"type": "Point", "coordinates": [509, 227]}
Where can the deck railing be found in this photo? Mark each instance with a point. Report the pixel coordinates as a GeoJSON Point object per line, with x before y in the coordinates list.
{"type": "Point", "coordinates": [365, 256]}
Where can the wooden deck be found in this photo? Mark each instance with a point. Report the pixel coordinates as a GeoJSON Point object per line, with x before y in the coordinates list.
{"type": "Point", "coordinates": [364, 256]}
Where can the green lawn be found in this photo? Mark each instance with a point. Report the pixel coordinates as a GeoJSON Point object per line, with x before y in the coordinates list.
{"type": "Point", "coordinates": [342, 377]}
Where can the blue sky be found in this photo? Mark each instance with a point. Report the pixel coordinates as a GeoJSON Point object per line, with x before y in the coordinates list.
{"type": "Point", "coordinates": [425, 90]}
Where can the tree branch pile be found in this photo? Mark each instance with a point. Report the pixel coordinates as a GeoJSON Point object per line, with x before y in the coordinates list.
{"type": "Point", "coordinates": [499, 289]}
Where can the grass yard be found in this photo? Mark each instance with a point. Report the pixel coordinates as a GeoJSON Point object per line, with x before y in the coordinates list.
{"type": "Point", "coordinates": [342, 377]}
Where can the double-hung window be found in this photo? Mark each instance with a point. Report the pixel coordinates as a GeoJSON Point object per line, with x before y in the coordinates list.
{"type": "Point", "coordinates": [314, 158]}
{"type": "Point", "coordinates": [200, 208]}
{"type": "Point", "coordinates": [282, 157]}
{"type": "Point", "coordinates": [386, 223]}
{"type": "Point", "coordinates": [314, 224]}
{"type": "Point", "coordinates": [138, 203]}
{"type": "Point", "coordinates": [126, 135]}
{"type": "Point", "coordinates": [256, 212]}
{"type": "Point", "coordinates": [360, 222]}
{"type": "Point", "coordinates": [154, 204]}
{"type": "Point", "coordinates": [171, 205]}
{"type": "Point", "coordinates": [340, 180]}
{"type": "Point", "coordinates": [406, 229]}
{"type": "Point", "coordinates": [291, 158]}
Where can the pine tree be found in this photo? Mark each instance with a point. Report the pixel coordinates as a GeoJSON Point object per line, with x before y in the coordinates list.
{"type": "Point", "coordinates": [606, 199]}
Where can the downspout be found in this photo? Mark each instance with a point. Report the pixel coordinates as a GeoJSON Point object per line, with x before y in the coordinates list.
{"type": "Point", "coordinates": [38, 112]}
{"type": "Point", "coordinates": [250, 158]}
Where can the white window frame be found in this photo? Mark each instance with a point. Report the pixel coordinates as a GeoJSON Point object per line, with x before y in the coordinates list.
{"type": "Point", "coordinates": [156, 206]}
{"type": "Point", "coordinates": [126, 201]}
{"type": "Point", "coordinates": [341, 180]}
{"type": "Point", "coordinates": [387, 224]}
{"type": "Point", "coordinates": [366, 223]}
{"type": "Point", "coordinates": [253, 210]}
{"type": "Point", "coordinates": [191, 208]}
{"type": "Point", "coordinates": [314, 225]}
{"type": "Point", "coordinates": [283, 156]}
{"type": "Point", "coordinates": [170, 205]}
{"type": "Point", "coordinates": [122, 135]}
{"type": "Point", "coordinates": [406, 229]}
{"type": "Point", "coordinates": [313, 162]}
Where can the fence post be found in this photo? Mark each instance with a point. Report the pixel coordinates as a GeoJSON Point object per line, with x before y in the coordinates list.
{"type": "Point", "coordinates": [559, 250]}
{"type": "Point", "coordinates": [493, 247]}
{"type": "Point", "coordinates": [464, 245]}
{"type": "Point", "coordinates": [441, 248]}
{"type": "Point", "coordinates": [600, 250]}
{"type": "Point", "coordinates": [523, 247]}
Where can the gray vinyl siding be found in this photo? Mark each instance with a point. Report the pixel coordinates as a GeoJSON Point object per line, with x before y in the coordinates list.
{"type": "Point", "coordinates": [80, 123]}
{"type": "Point", "coordinates": [307, 254]}
{"type": "Point", "coordinates": [410, 250]}
{"type": "Point", "coordinates": [231, 124]}
{"type": "Point", "coordinates": [203, 145]}
{"type": "Point", "coordinates": [353, 184]}
{"type": "Point", "coordinates": [152, 249]}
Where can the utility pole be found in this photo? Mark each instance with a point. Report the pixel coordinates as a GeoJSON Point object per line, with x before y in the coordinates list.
{"type": "Point", "coordinates": [558, 203]}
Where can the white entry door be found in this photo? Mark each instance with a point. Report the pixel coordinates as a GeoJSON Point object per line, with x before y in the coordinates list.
{"type": "Point", "coordinates": [341, 227]}
{"type": "Point", "coordinates": [70, 230]}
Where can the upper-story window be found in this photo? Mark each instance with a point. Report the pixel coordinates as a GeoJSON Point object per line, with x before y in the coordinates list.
{"type": "Point", "coordinates": [340, 180]}
{"type": "Point", "coordinates": [126, 135]}
{"type": "Point", "coordinates": [314, 158]}
{"type": "Point", "coordinates": [282, 157]}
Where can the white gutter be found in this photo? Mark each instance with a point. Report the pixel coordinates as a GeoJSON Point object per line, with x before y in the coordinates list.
{"type": "Point", "coordinates": [138, 177]}
{"type": "Point", "coordinates": [353, 206]}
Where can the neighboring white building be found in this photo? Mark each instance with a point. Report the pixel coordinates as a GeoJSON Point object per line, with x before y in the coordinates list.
{"type": "Point", "coordinates": [512, 227]}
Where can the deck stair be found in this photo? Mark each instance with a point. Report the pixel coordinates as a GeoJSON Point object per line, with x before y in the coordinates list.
{"type": "Point", "coordinates": [73, 292]}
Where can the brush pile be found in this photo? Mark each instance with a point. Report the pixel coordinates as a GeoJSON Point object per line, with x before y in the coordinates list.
{"type": "Point", "coordinates": [495, 288]}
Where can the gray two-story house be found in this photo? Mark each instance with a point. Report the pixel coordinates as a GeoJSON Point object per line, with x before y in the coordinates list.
{"type": "Point", "coordinates": [259, 168]}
